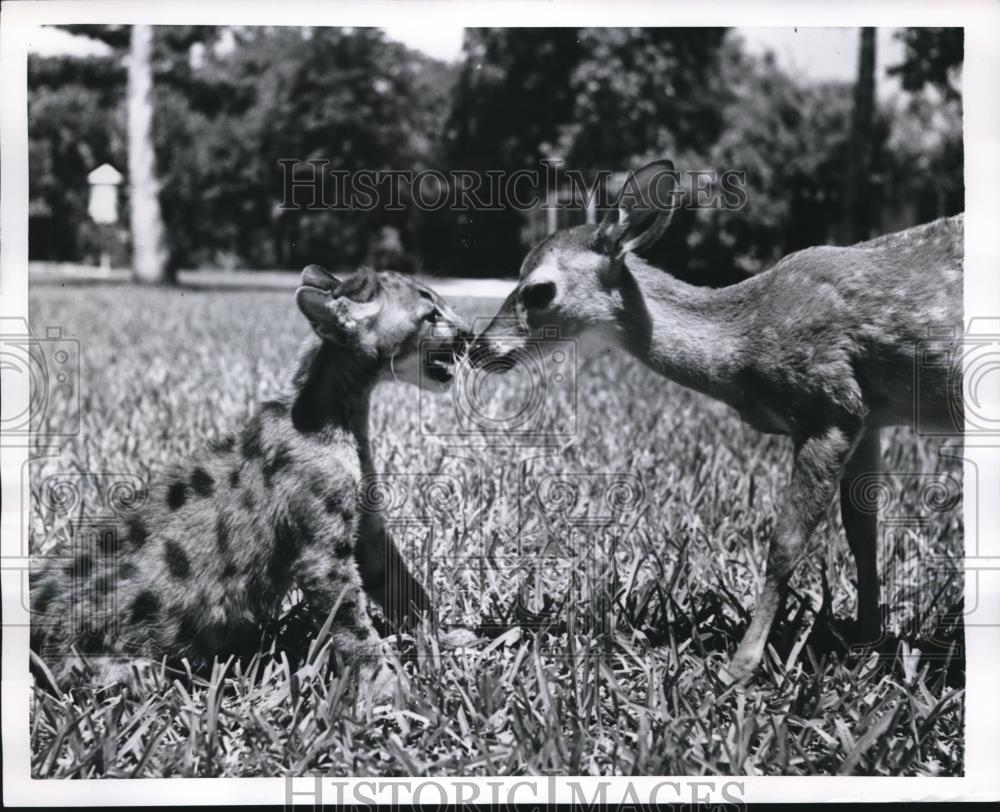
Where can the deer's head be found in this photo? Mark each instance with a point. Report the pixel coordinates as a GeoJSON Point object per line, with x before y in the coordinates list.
{"type": "Point", "coordinates": [571, 280]}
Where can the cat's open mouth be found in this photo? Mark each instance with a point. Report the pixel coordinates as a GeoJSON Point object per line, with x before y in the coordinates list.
{"type": "Point", "coordinates": [440, 370]}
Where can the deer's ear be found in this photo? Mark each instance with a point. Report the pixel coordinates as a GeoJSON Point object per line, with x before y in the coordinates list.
{"type": "Point", "coordinates": [337, 309]}
{"type": "Point", "coordinates": [645, 206]}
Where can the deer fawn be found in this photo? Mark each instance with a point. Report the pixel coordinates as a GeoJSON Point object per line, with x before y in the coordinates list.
{"type": "Point", "coordinates": [219, 542]}
{"type": "Point", "coordinates": [822, 347]}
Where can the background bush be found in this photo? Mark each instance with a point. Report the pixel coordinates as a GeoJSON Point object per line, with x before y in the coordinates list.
{"type": "Point", "coordinates": [231, 102]}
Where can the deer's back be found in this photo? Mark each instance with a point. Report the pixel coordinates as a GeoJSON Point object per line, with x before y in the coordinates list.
{"type": "Point", "coordinates": [850, 325]}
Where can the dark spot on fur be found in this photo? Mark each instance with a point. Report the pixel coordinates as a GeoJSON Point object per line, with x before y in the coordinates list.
{"type": "Point", "coordinates": [177, 560]}
{"type": "Point", "coordinates": [290, 535]}
{"type": "Point", "coordinates": [346, 613]}
{"type": "Point", "coordinates": [248, 500]}
{"type": "Point", "coordinates": [107, 541]}
{"type": "Point", "coordinates": [145, 606]}
{"type": "Point", "coordinates": [307, 415]}
{"type": "Point", "coordinates": [234, 478]}
{"type": "Point", "coordinates": [202, 482]}
{"type": "Point", "coordinates": [90, 641]}
{"type": "Point", "coordinates": [137, 533]}
{"type": "Point", "coordinates": [343, 548]}
{"type": "Point", "coordinates": [229, 570]}
{"type": "Point", "coordinates": [334, 502]}
{"type": "Point", "coordinates": [317, 400]}
{"type": "Point", "coordinates": [104, 581]}
{"type": "Point", "coordinates": [127, 570]}
{"type": "Point", "coordinates": [274, 408]}
{"type": "Point", "coordinates": [222, 534]}
{"type": "Point", "coordinates": [280, 460]}
{"type": "Point", "coordinates": [251, 444]}
{"type": "Point", "coordinates": [317, 484]}
{"type": "Point", "coordinates": [80, 567]}
{"type": "Point", "coordinates": [223, 445]}
{"type": "Point", "coordinates": [189, 628]}
{"type": "Point", "coordinates": [176, 495]}
{"type": "Point", "coordinates": [43, 596]}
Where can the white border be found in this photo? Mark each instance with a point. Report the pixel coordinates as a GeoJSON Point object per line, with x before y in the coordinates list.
{"type": "Point", "coordinates": [981, 18]}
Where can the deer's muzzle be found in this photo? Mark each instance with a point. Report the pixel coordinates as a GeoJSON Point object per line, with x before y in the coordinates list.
{"type": "Point", "coordinates": [498, 347]}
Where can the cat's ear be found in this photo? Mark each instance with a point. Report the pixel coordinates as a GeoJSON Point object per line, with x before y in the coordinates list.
{"type": "Point", "coordinates": [335, 308]}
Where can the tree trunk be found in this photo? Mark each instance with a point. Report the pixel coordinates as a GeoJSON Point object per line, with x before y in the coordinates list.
{"type": "Point", "coordinates": [856, 214]}
{"type": "Point", "coordinates": [149, 256]}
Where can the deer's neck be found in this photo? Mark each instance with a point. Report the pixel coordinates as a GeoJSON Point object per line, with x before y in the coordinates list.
{"type": "Point", "coordinates": [690, 334]}
{"type": "Point", "coordinates": [330, 395]}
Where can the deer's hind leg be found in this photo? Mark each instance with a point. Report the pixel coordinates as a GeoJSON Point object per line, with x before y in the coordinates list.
{"type": "Point", "coordinates": [817, 467]}
{"type": "Point", "coordinates": [861, 528]}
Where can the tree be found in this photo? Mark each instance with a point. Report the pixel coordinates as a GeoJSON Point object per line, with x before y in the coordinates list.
{"type": "Point", "coordinates": [856, 216]}
{"type": "Point", "coordinates": [149, 258]}
{"type": "Point", "coordinates": [75, 123]}
{"type": "Point", "coordinates": [932, 56]}
{"type": "Point", "coordinates": [511, 97]}
{"type": "Point", "coordinates": [642, 92]}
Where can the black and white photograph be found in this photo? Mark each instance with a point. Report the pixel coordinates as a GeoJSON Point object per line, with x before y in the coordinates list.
{"type": "Point", "coordinates": [526, 392]}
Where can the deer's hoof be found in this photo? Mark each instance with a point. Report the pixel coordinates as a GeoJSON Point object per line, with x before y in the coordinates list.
{"type": "Point", "coordinates": [458, 638]}
{"type": "Point", "coordinates": [379, 684]}
{"type": "Point", "coordinates": [737, 671]}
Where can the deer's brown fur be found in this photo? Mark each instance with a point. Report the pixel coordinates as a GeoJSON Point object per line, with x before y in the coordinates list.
{"type": "Point", "coordinates": [823, 347]}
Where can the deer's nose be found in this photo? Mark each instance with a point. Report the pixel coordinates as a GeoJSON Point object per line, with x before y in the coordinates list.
{"type": "Point", "coordinates": [479, 352]}
{"type": "Point", "coordinates": [491, 356]}
{"type": "Point", "coordinates": [539, 295]}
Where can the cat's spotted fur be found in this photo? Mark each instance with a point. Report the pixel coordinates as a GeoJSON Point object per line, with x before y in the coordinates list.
{"type": "Point", "coordinates": [219, 542]}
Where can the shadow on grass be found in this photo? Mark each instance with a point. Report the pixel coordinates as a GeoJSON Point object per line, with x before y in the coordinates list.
{"type": "Point", "coordinates": [707, 622]}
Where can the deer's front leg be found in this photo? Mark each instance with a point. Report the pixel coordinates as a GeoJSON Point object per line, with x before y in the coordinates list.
{"type": "Point", "coordinates": [819, 460]}
{"type": "Point", "coordinates": [861, 529]}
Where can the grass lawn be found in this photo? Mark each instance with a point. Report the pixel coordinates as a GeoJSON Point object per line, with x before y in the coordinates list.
{"type": "Point", "coordinates": [607, 571]}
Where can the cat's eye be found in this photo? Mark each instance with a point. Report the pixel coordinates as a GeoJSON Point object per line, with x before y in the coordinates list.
{"type": "Point", "coordinates": [433, 316]}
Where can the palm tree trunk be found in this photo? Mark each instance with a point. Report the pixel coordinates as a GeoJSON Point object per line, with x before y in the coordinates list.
{"type": "Point", "coordinates": [856, 214]}
{"type": "Point", "coordinates": [149, 257]}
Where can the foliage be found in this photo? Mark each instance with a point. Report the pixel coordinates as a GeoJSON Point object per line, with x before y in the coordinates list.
{"type": "Point", "coordinates": [597, 654]}
{"type": "Point", "coordinates": [645, 92]}
{"type": "Point", "coordinates": [511, 95]}
{"type": "Point", "coordinates": [932, 56]}
{"type": "Point", "coordinates": [224, 117]}
{"type": "Point", "coordinates": [75, 124]}
{"type": "Point", "coordinates": [231, 102]}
